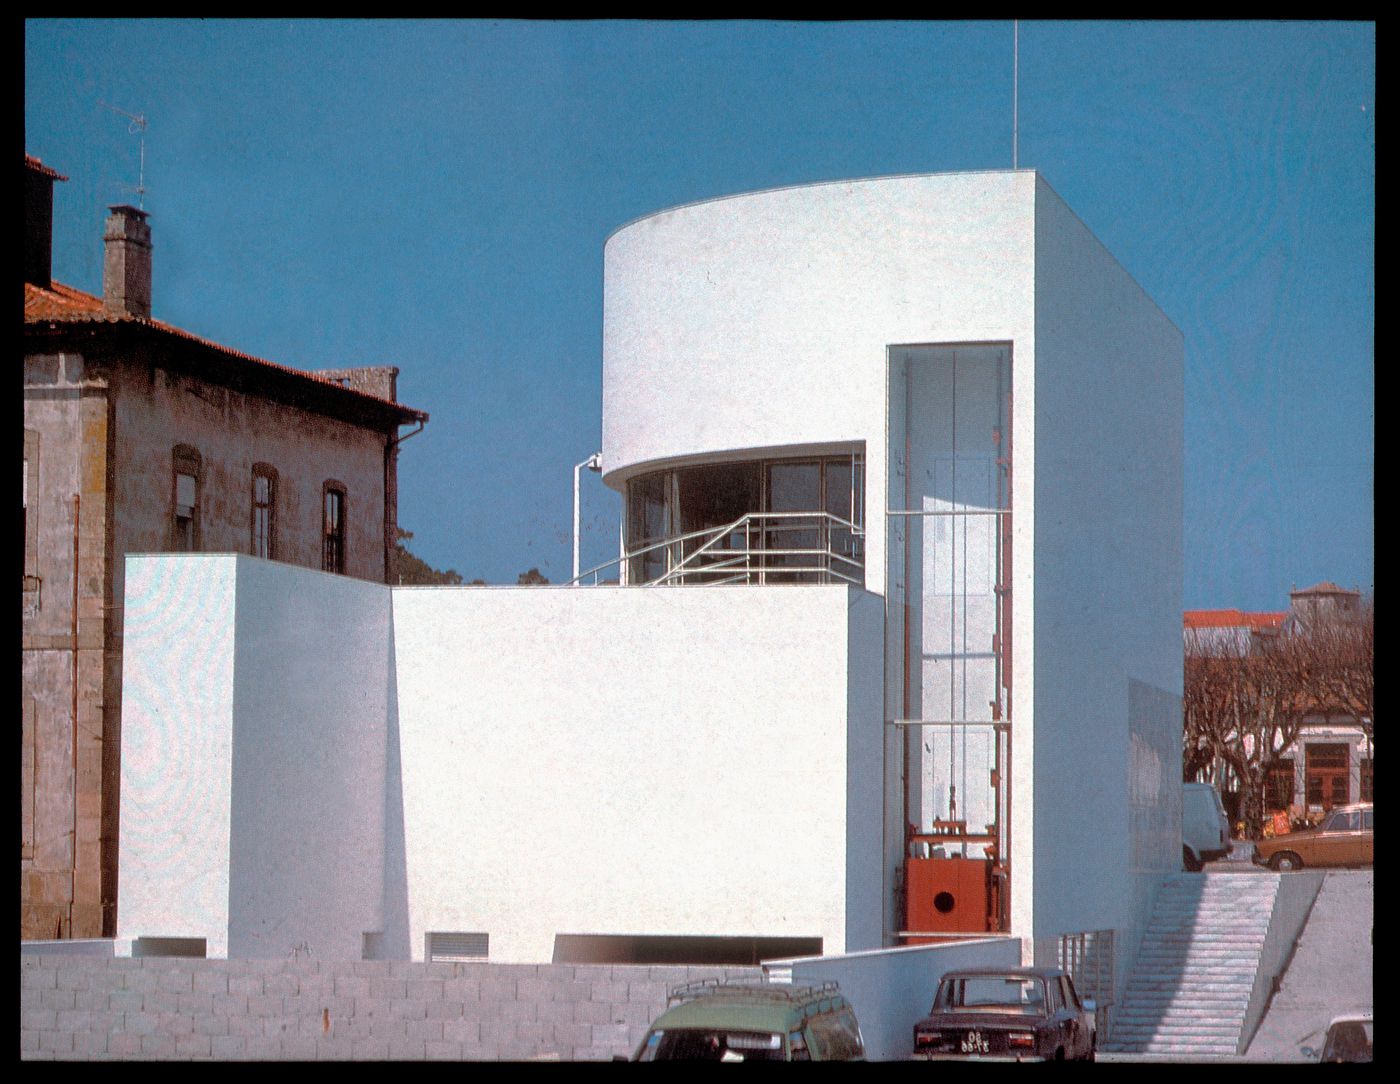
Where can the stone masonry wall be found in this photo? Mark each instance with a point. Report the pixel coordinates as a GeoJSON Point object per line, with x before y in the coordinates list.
{"type": "Point", "coordinates": [86, 1007]}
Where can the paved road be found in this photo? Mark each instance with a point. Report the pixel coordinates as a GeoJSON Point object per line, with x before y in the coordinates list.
{"type": "Point", "coordinates": [1330, 971]}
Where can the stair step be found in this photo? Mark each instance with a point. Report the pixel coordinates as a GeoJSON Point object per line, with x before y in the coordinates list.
{"type": "Point", "coordinates": [1200, 958]}
{"type": "Point", "coordinates": [1174, 1050]}
{"type": "Point", "coordinates": [1166, 1001]}
{"type": "Point", "coordinates": [1148, 1029]}
{"type": "Point", "coordinates": [1191, 980]}
{"type": "Point", "coordinates": [1190, 986]}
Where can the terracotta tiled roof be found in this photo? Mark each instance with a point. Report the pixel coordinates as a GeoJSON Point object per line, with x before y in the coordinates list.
{"type": "Point", "coordinates": [38, 167]}
{"type": "Point", "coordinates": [63, 304]}
{"type": "Point", "coordinates": [1232, 619]}
{"type": "Point", "coordinates": [58, 302]}
{"type": "Point", "coordinates": [1326, 587]}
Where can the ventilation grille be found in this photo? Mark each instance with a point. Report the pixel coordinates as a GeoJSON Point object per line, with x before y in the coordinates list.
{"type": "Point", "coordinates": [454, 947]}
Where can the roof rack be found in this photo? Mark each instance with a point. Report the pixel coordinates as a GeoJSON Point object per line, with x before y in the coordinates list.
{"type": "Point", "coordinates": [741, 988]}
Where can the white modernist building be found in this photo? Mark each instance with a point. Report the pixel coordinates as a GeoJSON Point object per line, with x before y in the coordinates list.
{"type": "Point", "coordinates": [895, 650]}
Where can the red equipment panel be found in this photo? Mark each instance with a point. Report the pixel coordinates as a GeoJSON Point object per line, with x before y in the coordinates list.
{"type": "Point", "coordinates": [946, 895]}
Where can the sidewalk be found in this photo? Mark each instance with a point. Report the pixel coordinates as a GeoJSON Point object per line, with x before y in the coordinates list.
{"type": "Point", "coordinates": [1330, 973]}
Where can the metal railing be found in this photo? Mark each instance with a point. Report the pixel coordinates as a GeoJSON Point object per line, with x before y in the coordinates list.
{"type": "Point", "coordinates": [1087, 957]}
{"type": "Point", "coordinates": [757, 548]}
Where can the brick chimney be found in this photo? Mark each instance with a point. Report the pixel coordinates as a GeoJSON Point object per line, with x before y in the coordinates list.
{"type": "Point", "coordinates": [126, 266]}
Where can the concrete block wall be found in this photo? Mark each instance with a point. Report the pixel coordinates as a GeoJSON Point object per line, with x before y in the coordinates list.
{"type": "Point", "coordinates": [94, 1008]}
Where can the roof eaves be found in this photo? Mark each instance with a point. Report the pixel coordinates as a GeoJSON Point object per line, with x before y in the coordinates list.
{"type": "Point", "coordinates": [39, 167]}
{"type": "Point", "coordinates": [86, 315]}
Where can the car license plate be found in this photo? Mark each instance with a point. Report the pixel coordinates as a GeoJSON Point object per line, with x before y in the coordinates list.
{"type": "Point", "coordinates": [974, 1043]}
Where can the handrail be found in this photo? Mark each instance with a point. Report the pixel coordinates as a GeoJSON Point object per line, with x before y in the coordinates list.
{"type": "Point", "coordinates": [749, 563]}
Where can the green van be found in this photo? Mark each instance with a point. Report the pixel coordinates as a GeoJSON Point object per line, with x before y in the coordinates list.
{"type": "Point", "coordinates": [712, 1020]}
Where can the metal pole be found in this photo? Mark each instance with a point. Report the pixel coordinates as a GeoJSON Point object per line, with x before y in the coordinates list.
{"type": "Point", "coordinates": [593, 462]}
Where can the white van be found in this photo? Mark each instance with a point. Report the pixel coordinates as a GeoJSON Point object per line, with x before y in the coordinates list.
{"type": "Point", "coordinates": [1205, 830]}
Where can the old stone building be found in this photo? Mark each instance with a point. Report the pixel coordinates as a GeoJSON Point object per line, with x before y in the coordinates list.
{"type": "Point", "coordinates": [140, 437]}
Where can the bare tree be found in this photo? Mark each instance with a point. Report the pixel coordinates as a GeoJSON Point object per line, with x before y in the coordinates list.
{"type": "Point", "coordinates": [1340, 664]}
{"type": "Point", "coordinates": [1243, 708]}
{"type": "Point", "coordinates": [1207, 709]}
{"type": "Point", "coordinates": [1244, 701]}
{"type": "Point", "coordinates": [1269, 707]}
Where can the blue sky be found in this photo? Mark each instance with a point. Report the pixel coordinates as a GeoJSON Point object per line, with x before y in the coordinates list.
{"type": "Point", "coordinates": [435, 195]}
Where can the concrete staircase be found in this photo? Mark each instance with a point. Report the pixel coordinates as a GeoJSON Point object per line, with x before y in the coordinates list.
{"type": "Point", "coordinates": [1190, 986]}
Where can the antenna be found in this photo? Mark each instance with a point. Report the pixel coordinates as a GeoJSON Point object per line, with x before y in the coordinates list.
{"type": "Point", "coordinates": [1015, 87]}
{"type": "Point", "coordinates": [137, 125]}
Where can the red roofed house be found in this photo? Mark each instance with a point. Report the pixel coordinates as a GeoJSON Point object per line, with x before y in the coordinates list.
{"type": "Point", "coordinates": [140, 437]}
{"type": "Point", "coordinates": [1332, 763]}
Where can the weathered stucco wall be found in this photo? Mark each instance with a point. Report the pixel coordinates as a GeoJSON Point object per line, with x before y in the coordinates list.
{"type": "Point", "coordinates": [156, 410]}
{"type": "Point", "coordinates": [65, 423]}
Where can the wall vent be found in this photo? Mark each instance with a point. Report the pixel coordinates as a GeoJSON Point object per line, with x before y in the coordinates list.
{"type": "Point", "coordinates": [457, 947]}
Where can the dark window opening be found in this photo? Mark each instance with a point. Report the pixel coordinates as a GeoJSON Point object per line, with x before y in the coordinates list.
{"type": "Point", "coordinates": [184, 519]}
{"type": "Point", "coordinates": [333, 528]}
{"type": "Point", "coordinates": [264, 511]}
{"type": "Point", "coordinates": [804, 522]}
{"type": "Point", "coordinates": [667, 950]}
{"type": "Point", "coordinates": [1278, 786]}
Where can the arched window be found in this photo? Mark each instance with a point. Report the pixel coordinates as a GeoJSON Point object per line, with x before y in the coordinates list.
{"type": "Point", "coordinates": [263, 517]}
{"type": "Point", "coordinates": [333, 508]}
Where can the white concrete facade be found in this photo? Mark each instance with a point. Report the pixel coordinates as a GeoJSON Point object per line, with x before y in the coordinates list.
{"type": "Point", "coordinates": [767, 323]}
{"type": "Point", "coordinates": [676, 761]}
{"type": "Point", "coordinates": [358, 760]}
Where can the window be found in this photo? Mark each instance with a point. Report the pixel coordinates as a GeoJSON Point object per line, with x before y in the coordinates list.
{"type": "Point", "coordinates": [264, 513]}
{"type": "Point", "coordinates": [1278, 786]}
{"type": "Point", "coordinates": [806, 526]}
{"type": "Point", "coordinates": [1327, 780]}
{"type": "Point", "coordinates": [836, 1036]}
{"type": "Point", "coordinates": [333, 527]}
{"type": "Point", "coordinates": [455, 947]}
{"type": "Point", "coordinates": [184, 525]}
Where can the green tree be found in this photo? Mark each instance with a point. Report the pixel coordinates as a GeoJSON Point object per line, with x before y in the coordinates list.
{"type": "Point", "coordinates": [414, 570]}
{"type": "Point", "coordinates": [531, 578]}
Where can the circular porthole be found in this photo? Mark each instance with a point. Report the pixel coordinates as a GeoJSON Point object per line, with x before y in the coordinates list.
{"type": "Point", "coordinates": [943, 902]}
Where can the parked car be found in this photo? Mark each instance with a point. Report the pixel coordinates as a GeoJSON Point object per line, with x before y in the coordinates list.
{"type": "Point", "coordinates": [712, 1020]}
{"type": "Point", "coordinates": [1346, 837]}
{"type": "Point", "coordinates": [1007, 1014]}
{"type": "Point", "coordinates": [1205, 830]}
{"type": "Point", "coordinates": [1349, 1038]}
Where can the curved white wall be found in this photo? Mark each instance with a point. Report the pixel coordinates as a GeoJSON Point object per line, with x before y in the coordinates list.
{"type": "Point", "coordinates": [762, 320]}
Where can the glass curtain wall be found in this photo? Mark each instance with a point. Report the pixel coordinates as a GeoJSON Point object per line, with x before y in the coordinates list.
{"type": "Point", "coordinates": [676, 522]}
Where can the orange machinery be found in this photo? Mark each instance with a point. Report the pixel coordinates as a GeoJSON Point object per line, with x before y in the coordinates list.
{"type": "Point", "coordinates": [947, 896]}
